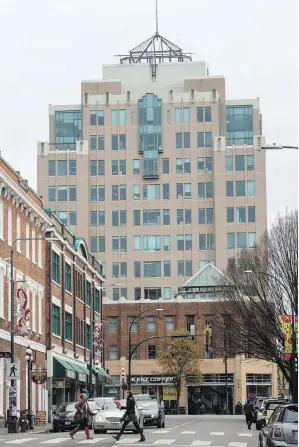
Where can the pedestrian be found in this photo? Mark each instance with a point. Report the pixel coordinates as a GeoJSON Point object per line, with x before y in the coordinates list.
{"type": "Point", "coordinates": [248, 410]}
{"type": "Point", "coordinates": [130, 416]}
{"type": "Point", "coordinates": [81, 417]}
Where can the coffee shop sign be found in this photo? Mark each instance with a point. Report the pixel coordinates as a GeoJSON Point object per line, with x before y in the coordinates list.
{"type": "Point", "coordinates": [152, 379]}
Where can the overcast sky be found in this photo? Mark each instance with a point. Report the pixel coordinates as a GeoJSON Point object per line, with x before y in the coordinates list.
{"type": "Point", "coordinates": [48, 46]}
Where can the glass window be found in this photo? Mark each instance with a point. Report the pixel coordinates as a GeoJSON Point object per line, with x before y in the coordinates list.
{"type": "Point", "coordinates": [122, 117]}
{"type": "Point", "coordinates": [115, 243]}
{"type": "Point", "coordinates": [250, 188]}
{"type": "Point", "coordinates": [123, 218]}
{"type": "Point", "coordinates": [93, 244]}
{"type": "Point", "coordinates": [68, 326]}
{"type": "Point", "coordinates": [88, 293]}
{"type": "Point", "coordinates": [93, 193]}
{"type": "Point", "coordinates": [229, 160]}
{"type": "Point", "coordinates": [136, 192]}
{"type": "Point", "coordinates": [179, 165]}
{"type": "Point", "coordinates": [115, 270]}
{"type": "Point", "coordinates": [101, 118]}
{"type": "Point", "coordinates": [152, 352]}
{"type": "Point", "coordinates": [62, 194]}
{"type": "Point", "coordinates": [180, 216]}
{"type": "Point", "coordinates": [101, 244]}
{"type": "Point", "coordinates": [200, 139]}
{"type": "Point", "coordinates": [178, 140]}
{"type": "Point", "coordinates": [93, 142]}
{"type": "Point", "coordinates": [152, 269]}
{"type": "Point", "coordinates": [187, 140]}
{"type": "Point", "coordinates": [180, 242]}
{"type": "Point", "coordinates": [250, 162]}
{"type": "Point", "coordinates": [151, 243]}
{"type": "Point", "coordinates": [209, 190]}
{"type": "Point", "coordinates": [167, 293]}
{"type": "Point", "coordinates": [202, 216]}
{"type": "Point", "coordinates": [188, 216]}
{"type": "Point", "coordinates": [136, 218]}
{"type": "Point", "coordinates": [208, 114]}
{"type": "Point", "coordinates": [240, 188]}
{"type": "Point", "coordinates": [101, 142]}
{"type": "Point", "coordinates": [115, 219]}
{"type": "Point", "coordinates": [113, 352]}
{"type": "Point", "coordinates": [210, 242]}
{"type": "Point", "coordinates": [122, 167]}
{"type": "Point", "coordinates": [93, 168]}
{"type": "Point", "coordinates": [239, 125]}
{"type": "Point", "coordinates": [151, 192]}
{"type": "Point", "coordinates": [114, 192]}
{"type": "Point", "coordinates": [52, 193]}
{"type": "Point", "coordinates": [123, 269]}
{"type": "Point", "coordinates": [187, 190]}
{"type": "Point", "coordinates": [62, 216]}
{"type": "Point", "coordinates": [166, 217]}
{"type": "Point", "coordinates": [199, 114]}
{"type": "Point", "coordinates": [240, 163]}
{"type": "Point", "coordinates": [210, 216]}
{"type": "Point", "coordinates": [202, 241]}
{"type": "Point", "coordinates": [93, 219]}
{"type": "Point", "coordinates": [187, 165]}
{"type": "Point", "coordinates": [251, 214]}
{"type": "Point", "coordinates": [137, 243]}
{"type": "Point", "coordinates": [151, 217]}
{"type": "Point", "coordinates": [97, 301]}
{"type": "Point", "coordinates": [55, 267]}
{"type": "Point", "coordinates": [51, 168]}
{"type": "Point", "coordinates": [133, 324]}
{"type": "Point", "coordinates": [201, 190]}
{"type": "Point", "coordinates": [230, 214]}
{"type": "Point", "coordinates": [167, 269]}
{"type": "Point", "coordinates": [166, 191]}
{"type": "Point", "coordinates": [62, 167]}
{"type": "Point", "coordinates": [178, 115]}
{"type": "Point", "coordinates": [230, 240]}
{"type": "Point", "coordinates": [137, 269]}
{"type": "Point", "coordinates": [188, 241]}
{"type": "Point", "coordinates": [169, 323]}
{"type": "Point", "coordinates": [101, 193]}
{"type": "Point", "coordinates": [114, 117]}
{"type": "Point", "coordinates": [73, 193]}
{"type": "Point", "coordinates": [209, 164]}
{"type": "Point", "coordinates": [101, 167]}
{"type": "Point", "coordinates": [93, 117]}
{"type": "Point", "coordinates": [101, 218]}
{"type": "Point", "coordinates": [186, 115]}
{"type": "Point", "coordinates": [122, 142]}
{"type": "Point", "coordinates": [114, 142]}
{"type": "Point", "coordinates": [136, 167]}
{"type": "Point", "coordinates": [115, 294]}
{"type": "Point", "coordinates": [55, 320]}
{"type": "Point", "coordinates": [166, 243]}
{"type": "Point", "coordinates": [113, 324]}
{"type": "Point", "coordinates": [251, 239]}
{"type": "Point", "coordinates": [181, 268]}
{"type": "Point", "coordinates": [241, 214]}
{"type": "Point", "coordinates": [189, 268]}
{"type": "Point", "coordinates": [200, 165]}
{"type": "Point", "coordinates": [151, 324]}
{"type": "Point", "coordinates": [72, 167]}
{"type": "Point", "coordinates": [114, 167]}
{"type": "Point", "coordinates": [165, 164]}
{"type": "Point", "coordinates": [229, 189]}
{"type": "Point", "coordinates": [241, 240]}
{"type": "Point", "coordinates": [132, 117]}
{"type": "Point", "coordinates": [208, 139]}
{"type": "Point", "coordinates": [73, 217]}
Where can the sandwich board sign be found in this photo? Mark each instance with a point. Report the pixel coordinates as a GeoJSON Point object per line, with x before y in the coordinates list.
{"type": "Point", "coordinates": [13, 371]}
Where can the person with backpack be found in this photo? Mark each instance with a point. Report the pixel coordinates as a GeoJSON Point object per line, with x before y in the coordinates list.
{"type": "Point", "coordinates": [81, 417]}
{"type": "Point", "coordinates": [130, 416]}
{"type": "Point", "coordinates": [248, 410]}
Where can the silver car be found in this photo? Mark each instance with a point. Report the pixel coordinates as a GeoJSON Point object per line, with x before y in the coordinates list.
{"type": "Point", "coordinates": [109, 418]}
{"type": "Point", "coordinates": [282, 428]}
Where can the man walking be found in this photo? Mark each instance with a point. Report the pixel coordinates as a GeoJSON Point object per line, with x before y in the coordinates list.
{"type": "Point", "coordinates": [130, 416]}
{"type": "Point", "coordinates": [248, 409]}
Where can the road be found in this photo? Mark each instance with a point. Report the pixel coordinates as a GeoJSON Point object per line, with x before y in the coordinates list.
{"type": "Point", "coordinates": [180, 431]}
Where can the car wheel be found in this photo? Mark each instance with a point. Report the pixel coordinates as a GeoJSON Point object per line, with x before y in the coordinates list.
{"type": "Point", "coordinates": [163, 425]}
{"type": "Point", "coordinates": [159, 425]}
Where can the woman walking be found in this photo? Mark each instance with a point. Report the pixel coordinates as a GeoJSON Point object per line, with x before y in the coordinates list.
{"type": "Point", "coordinates": [130, 416]}
{"type": "Point", "coordinates": [81, 417]}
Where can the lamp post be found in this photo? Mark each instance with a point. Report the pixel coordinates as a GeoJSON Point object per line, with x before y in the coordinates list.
{"type": "Point", "coordinates": [28, 358]}
{"type": "Point", "coordinates": [275, 146]}
{"type": "Point", "coordinates": [294, 347]}
{"type": "Point", "coordinates": [123, 374]}
{"type": "Point", "coordinates": [130, 343]}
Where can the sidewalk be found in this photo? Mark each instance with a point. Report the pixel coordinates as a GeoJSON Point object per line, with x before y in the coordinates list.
{"type": "Point", "coordinates": [38, 429]}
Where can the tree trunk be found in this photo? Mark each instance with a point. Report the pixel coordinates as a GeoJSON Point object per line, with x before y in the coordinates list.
{"type": "Point", "coordinates": [178, 394]}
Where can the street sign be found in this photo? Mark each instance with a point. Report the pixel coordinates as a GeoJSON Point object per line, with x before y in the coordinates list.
{"type": "Point", "coordinates": [39, 377]}
{"type": "Point", "coordinates": [13, 371]}
{"type": "Point", "coordinates": [5, 355]}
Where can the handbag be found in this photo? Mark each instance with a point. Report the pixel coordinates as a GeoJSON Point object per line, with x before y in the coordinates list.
{"type": "Point", "coordinates": [78, 416]}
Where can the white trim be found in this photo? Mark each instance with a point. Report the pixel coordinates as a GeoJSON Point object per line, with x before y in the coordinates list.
{"type": "Point", "coordinates": [33, 246]}
{"type": "Point", "coordinates": [40, 311]}
{"type": "Point", "coordinates": [87, 320]}
{"type": "Point", "coordinates": [5, 335]}
{"type": "Point", "coordinates": [68, 309]}
{"type": "Point", "coordinates": [27, 241]}
{"type": "Point", "coordinates": [9, 226]}
{"type": "Point", "coordinates": [56, 301]}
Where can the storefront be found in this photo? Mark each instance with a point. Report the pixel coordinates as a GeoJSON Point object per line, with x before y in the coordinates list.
{"type": "Point", "coordinates": [160, 387]}
{"type": "Point", "coordinates": [258, 385]}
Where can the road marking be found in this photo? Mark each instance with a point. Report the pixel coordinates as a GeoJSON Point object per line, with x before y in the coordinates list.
{"type": "Point", "coordinates": [20, 441]}
{"type": "Point", "coordinates": [91, 441]}
{"type": "Point", "coordinates": [127, 441]}
{"type": "Point", "coordinates": [54, 441]}
{"type": "Point", "coordinates": [237, 444]}
{"type": "Point", "coordinates": [181, 425]}
{"type": "Point", "coordinates": [248, 435]}
{"type": "Point", "coordinates": [160, 431]}
{"type": "Point", "coordinates": [217, 433]}
{"type": "Point", "coordinates": [201, 443]}
{"type": "Point", "coordinates": [165, 441]}
{"type": "Point", "coordinates": [188, 432]}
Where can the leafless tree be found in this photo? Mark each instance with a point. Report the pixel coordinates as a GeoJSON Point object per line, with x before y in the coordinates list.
{"type": "Point", "coordinates": [260, 285]}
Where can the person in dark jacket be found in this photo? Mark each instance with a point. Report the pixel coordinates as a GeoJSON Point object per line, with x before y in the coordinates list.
{"type": "Point", "coordinates": [130, 416]}
{"type": "Point", "coordinates": [81, 416]}
{"type": "Point", "coordinates": [248, 410]}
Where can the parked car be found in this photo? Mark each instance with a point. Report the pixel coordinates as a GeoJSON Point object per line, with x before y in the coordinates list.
{"type": "Point", "coordinates": [143, 397]}
{"type": "Point", "coordinates": [63, 417]}
{"type": "Point", "coordinates": [100, 401]}
{"type": "Point", "coordinates": [154, 413]}
{"type": "Point", "coordinates": [282, 428]}
{"type": "Point", "coordinates": [109, 418]}
{"type": "Point", "coordinates": [266, 410]}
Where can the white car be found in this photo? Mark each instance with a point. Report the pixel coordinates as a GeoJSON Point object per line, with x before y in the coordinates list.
{"type": "Point", "coordinates": [109, 418]}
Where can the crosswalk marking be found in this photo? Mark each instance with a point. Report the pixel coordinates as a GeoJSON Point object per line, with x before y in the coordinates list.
{"type": "Point", "coordinates": [160, 431]}
{"type": "Point", "coordinates": [91, 441]}
{"type": "Point", "coordinates": [188, 432]}
{"type": "Point", "coordinates": [248, 435]}
{"type": "Point", "coordinates": [165, 441]}
{"type": "Point", "coordinates": [54, 441]}
{"type": "Point", "coordinates": [202, 443]}
{"type": "Point", "coordinates": [237, 444]}
{"type": "Point", "coordinates": [217, 433]}
{"type": "Point", "coordinates": [20, 441]}
{"type": "Point", "coordinates": [127, 441]}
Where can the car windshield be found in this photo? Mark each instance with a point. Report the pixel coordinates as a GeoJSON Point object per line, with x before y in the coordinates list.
{"type": "Point", "coordinates": [273, 405]}
{"type": "Point", "coordinates": [291, 415]}
{"type": "Point", "coordinates": [148, 405]}
{"type": "Point", "coordinates": [92, 405]}
{"type": "Point", "coordinates": [68, 408]}
{"type": "Point", "coordinates": [109, 406]}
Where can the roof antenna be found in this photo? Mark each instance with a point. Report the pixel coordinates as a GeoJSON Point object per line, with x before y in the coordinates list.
{"type": "Point", "coordinates": [157, 30]}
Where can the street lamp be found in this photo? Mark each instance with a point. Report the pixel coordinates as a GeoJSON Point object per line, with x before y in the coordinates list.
{"type": "Point", "coordinates": [123, 374]}
{"type": "Point", "coordinates": [275, 146]}
{"type": "Point", "coordinates": [29, 361]}
{"type": "Point", "coordinates": [130, 343]}
{"type": "Point", "coordinates": [294, 347]}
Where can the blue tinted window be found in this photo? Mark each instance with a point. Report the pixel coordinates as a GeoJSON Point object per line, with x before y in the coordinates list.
{"type": "Point", "coordinates": [73, 194]}
{"type": "Point", "coordinates": [208, 139]}
{"type": "Point", "coordinates": [186, 115]}
{"type": "Point", "coordinates": [68, 129]}
{"type": "Point", "coordinates": [114, 142]}
{"type": "Point", "coordinates": [93, 117]}
{"type": "Point", "coordinates": [250, 162]}
{"type": "Point", "coordinates": [230, 215]}
{"type": "Point", "coordinates": [239, 125]}
{"type": "Point", "coordinates": [250, 188]}
{"type": "Point", "coordinates": [122, 142]}
{"type": "Point", "coordinates": [122, 117]}
{"type": "Point", "coordinates": [241, 240]}
{"type": "Point", "coordinates": [251, 240]}
{"type": "Point", "coordinates": [240, 188]}
{"type": "Point", "coordinates": [62, 167]}
{"type": "Point", "coordinates": [51, 168]}
{"type": "Point", "coordinates": [240, 163]}
{"type": "Point", "coordinates": [178, 140]}
{"type": "Point", "coordinates": [199, 114]}
{"type": "Point", "coordinates": [200, 139]}
{"type": "Point", "coordinates": [73, 218]}
{"type": "Point", "coordinates": [101, 143]}
{"type": "Point", "coordinates": [187, 140]}
{"type": "Point", "coordinates": [72, 167]}
{"type": "Point", "coordinates": [251, 214]}
{"type": "Point", "coordinates": [101, 119]}
{"type": "Point", "coordinates": [114, 117]}
{"type": "Point", "coordinates": [208, 114]}
{"type": "Point", "coordinates": [93, 142]}
{"type": "Point", "coordinates": [230, 240]}
{"type": "Point", "coordinates": [209, 190]}
{"type": "Point", "coordinates": [178, 115]}
{"type": "Point", "coordinates": [51, 193]}
{"type": "Point", "coordinates": [229, 189]}
{"type": "Point", "coordinates": [201, 190]}
{"type": "Point", "coordinates": [229, 163]}
{"type": "Point", "coordinates": [62, 193]}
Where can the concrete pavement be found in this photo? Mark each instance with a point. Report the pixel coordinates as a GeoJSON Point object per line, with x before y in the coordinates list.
{"type": "Point", "coordinates": [180, 431]}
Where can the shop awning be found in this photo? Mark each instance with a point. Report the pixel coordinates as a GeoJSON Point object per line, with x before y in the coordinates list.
{"type": "Point", "coordinates": [103, 377]}
{"type": "Point", "coordinates": [62, 368]}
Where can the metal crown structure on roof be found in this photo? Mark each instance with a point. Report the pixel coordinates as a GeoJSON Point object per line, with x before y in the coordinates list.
{"type": "Point", "coordinates": [155, 50]}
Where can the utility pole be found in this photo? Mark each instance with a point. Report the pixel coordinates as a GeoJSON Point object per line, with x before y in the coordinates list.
{"type": "Point", "coordinates": [225, 368]}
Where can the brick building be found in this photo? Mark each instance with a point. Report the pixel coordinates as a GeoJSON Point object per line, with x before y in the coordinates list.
{"type": "Point", "coordinates": [195, 314]}
{"type": "Point", "coordinates": [63, 284]}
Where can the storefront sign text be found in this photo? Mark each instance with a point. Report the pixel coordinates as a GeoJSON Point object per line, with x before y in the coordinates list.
{"type": "Point", "coordinates": [150, 380]}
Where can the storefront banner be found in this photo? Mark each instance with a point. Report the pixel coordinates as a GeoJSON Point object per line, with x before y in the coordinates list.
{"type": "Point", "coordinates": [286, 324]}
{"type": "Point", "coordinates": [137, 390]}
{"type": "Point", "coordinates": [152, 380]}
{"type": "Point", "coordinates": [169, 393]}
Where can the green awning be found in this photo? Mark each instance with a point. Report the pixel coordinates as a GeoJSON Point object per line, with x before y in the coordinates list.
{"type": "Point", "coordinates": [62, 368]}
{"type": "Point", "coordinates": [103, 377]}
